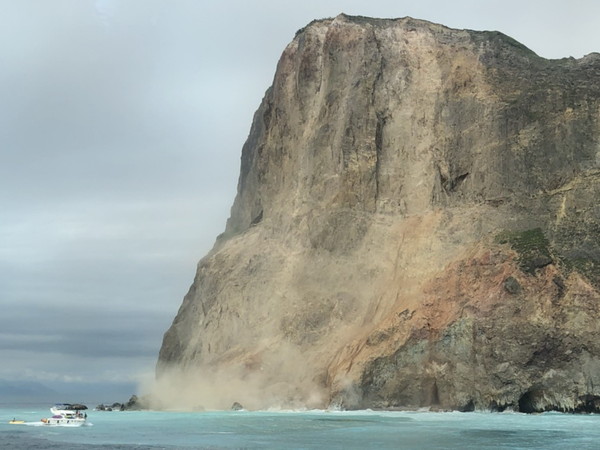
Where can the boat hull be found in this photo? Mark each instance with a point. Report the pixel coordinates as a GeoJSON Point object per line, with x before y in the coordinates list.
{"type": "Point", "coordinates": [64, 421]}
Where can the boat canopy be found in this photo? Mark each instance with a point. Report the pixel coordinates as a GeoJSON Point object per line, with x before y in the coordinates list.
{"type": "Point", "coordinates": [70, 406]}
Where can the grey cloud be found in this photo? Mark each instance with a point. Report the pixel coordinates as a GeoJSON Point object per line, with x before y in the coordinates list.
{"type": "Point", "coordinates": [54, 332]}
{"type": "Point", "coordinates": [82, 346]}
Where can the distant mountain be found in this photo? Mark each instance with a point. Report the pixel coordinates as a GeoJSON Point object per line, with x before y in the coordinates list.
{"type": "Point", "coordinates": [12, 391]}
{"type": "Point", "coordinates": [97, 392]}
{"type": "Point", "coordinates": [26, 391]}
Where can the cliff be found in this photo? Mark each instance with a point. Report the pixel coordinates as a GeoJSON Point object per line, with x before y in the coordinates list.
{"type": "Point", "coordinates": [416, 224]}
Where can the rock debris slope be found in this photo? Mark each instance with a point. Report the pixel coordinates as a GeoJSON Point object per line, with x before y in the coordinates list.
{"type": "Point", "coordinates": [416, 224]}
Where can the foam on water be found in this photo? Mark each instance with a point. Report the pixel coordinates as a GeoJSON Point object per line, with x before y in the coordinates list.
{"type": "Point", "coordinates": [305, 429]}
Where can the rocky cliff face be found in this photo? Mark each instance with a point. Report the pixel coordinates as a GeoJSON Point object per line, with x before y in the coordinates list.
{"type": "Point", "coordinates": [417, 224]}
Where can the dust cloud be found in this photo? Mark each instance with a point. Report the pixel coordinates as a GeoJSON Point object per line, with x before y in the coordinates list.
{"type": "Point", "coordinates": [271, 379]}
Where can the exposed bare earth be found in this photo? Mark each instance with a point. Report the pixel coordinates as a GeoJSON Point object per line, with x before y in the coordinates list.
{"type": "Point", "coordinates": [416, 225]}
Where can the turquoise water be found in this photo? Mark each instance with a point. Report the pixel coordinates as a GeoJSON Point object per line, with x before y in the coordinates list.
{"type": "Point", "coordinates": [303, 430]}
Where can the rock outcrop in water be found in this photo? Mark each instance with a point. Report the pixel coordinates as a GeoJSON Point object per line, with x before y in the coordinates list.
{"type": "Point", "coordinates": [417, 224]}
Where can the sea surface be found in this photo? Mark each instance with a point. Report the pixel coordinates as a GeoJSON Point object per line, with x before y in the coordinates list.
{"type": "Point", "coordinates": [301, 430]}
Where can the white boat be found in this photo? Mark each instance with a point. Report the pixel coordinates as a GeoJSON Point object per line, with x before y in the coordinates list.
{"type": "Point", "coordinates": [66, 415]}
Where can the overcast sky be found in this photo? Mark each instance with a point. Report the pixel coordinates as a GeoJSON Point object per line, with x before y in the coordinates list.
{"type": "Point", "coordinates": [121, 128]}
